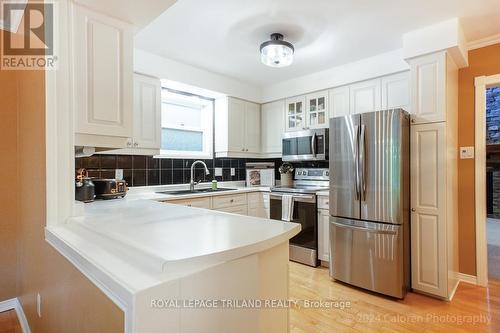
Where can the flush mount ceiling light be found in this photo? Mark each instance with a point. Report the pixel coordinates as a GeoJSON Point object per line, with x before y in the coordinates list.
{"type": "Point", "coordinates": [276, 52]}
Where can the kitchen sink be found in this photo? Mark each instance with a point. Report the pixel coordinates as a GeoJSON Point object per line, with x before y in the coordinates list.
{"type": "Point", "coordinates": [200, 190]}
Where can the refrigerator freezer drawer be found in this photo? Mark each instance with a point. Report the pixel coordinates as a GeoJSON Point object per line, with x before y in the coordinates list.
{"type": "Point", "coordinates": [367, 255]}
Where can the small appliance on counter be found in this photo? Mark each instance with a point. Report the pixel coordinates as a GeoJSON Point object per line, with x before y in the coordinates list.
{"type": "Point", "coordinates": [110, 188]}
{"type": "Point", "coordinates": [260, 174]}
{"type": "Point", "coordinates": [84, 187]}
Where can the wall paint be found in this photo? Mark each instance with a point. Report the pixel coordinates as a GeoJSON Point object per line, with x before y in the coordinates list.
{"type": "Point", "coordinates": [483, 61]}
{"type": "Point", "coordinates": [70, 302]}
{"type": "Point", "coordinates": [8, 185]}
{"type": "Point", "coordinates": [164, 68]}
{"type": "Point", "coordinates": [383, 64]}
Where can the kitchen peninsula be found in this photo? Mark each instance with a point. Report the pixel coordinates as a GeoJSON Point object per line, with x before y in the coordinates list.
{"type": "Point", "coordinates": [144, 253]}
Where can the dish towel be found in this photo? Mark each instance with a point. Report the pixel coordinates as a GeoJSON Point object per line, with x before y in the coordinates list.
{"type": "Point", "coordinates": [287, 207]}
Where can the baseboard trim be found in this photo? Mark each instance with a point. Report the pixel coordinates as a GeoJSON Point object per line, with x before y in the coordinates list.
{"type": "Point", "coordinates": [467, 278]}
{"type": "Point", "coordinates": [14, 304]}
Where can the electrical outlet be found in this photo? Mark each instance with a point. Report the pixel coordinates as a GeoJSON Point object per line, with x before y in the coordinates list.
{"type": "Point", "coordinates": [39, 305]}
{"type": "Point", "coordinates": [119, 174]}
{"type": "Point", "coordinates": [233, 172]}
{"type": "Point", "coordinates": [218, 172]}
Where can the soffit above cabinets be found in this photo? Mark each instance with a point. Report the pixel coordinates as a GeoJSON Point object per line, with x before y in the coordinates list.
{"type": "Point", "coordinates": [138, 13]}
{"type": "Point", "coordinates": [223, 37]}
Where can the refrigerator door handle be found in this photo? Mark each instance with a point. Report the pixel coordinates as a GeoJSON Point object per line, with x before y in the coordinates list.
{"type": "Point", "coordinates": [356, 161]}
{"type": "Point", "coordinates": [362, 162]}
{"type": "Point", "coordinates": [377, 231]}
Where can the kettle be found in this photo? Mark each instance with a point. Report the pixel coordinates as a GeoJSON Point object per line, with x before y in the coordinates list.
{"type": "Point", "coordinates": [84, 187]}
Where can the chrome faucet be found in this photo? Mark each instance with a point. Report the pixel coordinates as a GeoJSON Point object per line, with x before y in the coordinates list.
{"type": "Point", "coordinates": [192, 183]}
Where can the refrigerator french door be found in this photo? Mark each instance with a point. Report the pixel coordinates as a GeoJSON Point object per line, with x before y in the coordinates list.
{"type": "Point", "coordinates": [369, 201]}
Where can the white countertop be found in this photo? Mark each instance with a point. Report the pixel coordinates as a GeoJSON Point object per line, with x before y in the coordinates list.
{"type": "Point", "coordinates": [127, 245]}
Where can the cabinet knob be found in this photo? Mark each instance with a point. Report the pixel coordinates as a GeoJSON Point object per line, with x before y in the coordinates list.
{"type": "Point", "coordinates": [413, 120]}
{"type": "Point", "coordinates": [232, 200]}
{"type": "Point", "coordinates": [413, 210]}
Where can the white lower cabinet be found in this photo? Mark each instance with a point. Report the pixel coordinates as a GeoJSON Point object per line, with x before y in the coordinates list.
{"type": "Point", "coordinates": [252, 204]}
{"type": "Point", "coordinates": [258, 204]}
{"type": "Point", "coordinates": [205, 202]}
{"type": "Point", "coordinates": [240, 210]}
{"type": "Point", "coordinates": [323, 235]}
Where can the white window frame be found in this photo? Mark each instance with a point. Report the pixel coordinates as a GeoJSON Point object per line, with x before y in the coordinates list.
{"type": "Point", "coordinates": [208, 137]}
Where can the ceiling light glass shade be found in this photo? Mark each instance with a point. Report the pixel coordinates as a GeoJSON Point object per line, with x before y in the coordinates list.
{"type": "Point", "coordinates": [276, 52]}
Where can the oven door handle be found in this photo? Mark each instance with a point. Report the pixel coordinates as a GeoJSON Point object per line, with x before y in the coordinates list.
{"type": "Point", "coordinates": [296, 197]}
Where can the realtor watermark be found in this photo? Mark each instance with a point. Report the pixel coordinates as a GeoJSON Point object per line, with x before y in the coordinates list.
{"type": "Point", "coordinates": [32, 46]}
{"type": "Point", "coordinates": [249, 304]}
{"type": "Point", "coordinates": [430, 317]}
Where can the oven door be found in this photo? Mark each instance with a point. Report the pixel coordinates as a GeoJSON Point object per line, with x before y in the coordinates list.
{"type": "Point", "coordinates": [310, 145]}
{"type": "Point", "coordinates": [304, 246]}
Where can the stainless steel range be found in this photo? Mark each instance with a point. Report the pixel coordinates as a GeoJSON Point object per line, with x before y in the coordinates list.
{"type": "Point", "coordinates": [298, 204]}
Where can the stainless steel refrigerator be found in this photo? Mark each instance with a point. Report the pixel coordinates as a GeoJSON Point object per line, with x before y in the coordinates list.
{"type": "Point", "coordinates": [369, 201]}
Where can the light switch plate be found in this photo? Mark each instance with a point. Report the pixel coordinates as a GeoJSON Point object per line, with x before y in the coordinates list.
{"type": "Point", "coordinates": [218, 172]}
{"type": "Point", "coordinates": [233, 172]}
{"type": "Point", "coordinates": [466, 153]}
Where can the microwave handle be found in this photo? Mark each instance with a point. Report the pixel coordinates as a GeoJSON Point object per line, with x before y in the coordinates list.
{"type": "Point", "coordinates": [313, 145]}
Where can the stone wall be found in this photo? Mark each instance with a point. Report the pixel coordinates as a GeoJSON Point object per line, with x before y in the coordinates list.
{"type": "Point", "coordinates": [493, 137]}
{"type": "Point", "coordinates": [493, 115]}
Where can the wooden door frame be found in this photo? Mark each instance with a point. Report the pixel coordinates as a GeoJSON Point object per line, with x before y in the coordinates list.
{"type": "Point", "coordinates": [481, 84]}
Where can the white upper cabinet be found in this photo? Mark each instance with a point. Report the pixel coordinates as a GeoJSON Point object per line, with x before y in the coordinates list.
{"type": "Point", "coordinates": [252, 127]}
{"type": "Point", "coordinates": [317, 110]}
{"type": "Point", "coordinates": [272, 126]}
{"type": "Point", "coordinates": [365, 96]}
{"type": "Point", "coordinates": [236, 125]}
{"type": "Point", "coordinates": [396, 91]}
{"type": "Point", "coordinates": [428, 82]}
{"type": "Point", "coordinates": [339, 102]}
{"type": "Point", "coordinates": [237, 128]}
{"type": "Point", "coordinates": [147, 112]}
{"type": "Point", "coordinates": [295, 113]}
{"type": "Point", "coordinates": [103, 77]}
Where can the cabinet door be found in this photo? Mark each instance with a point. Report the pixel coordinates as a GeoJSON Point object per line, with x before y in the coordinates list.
{"type": "Point", "coordinates": [365, 96]}
{"type": "Point", "coordinates": [103, 74]}
{"type": "Point", "coordinates": [323, 235]}
{"type": "Point", "coordinates": [428, 225]}
{"type": "Point", "coordinates": [147, 112]}
{"type": "Point", "coordinates": [427, 75]}
{"type": "Point", "coordinates": [252, 127]}
{"type": "Point", "coordinates": [295, 113]}
{"type": "Point", "coordinates": [317, 110]}
{"type": "Point", "coordinates": [272, 124]}
{"type": "Point", "coordinates": [339, 102]}
{"type": "Point", "coordinates": [236, 125]}
{"type": "Point", "coordinates": [396, 91]}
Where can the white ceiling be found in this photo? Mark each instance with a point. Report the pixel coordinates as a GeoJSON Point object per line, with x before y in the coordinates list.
{"type": "Point", "coordinates": [223, 36]}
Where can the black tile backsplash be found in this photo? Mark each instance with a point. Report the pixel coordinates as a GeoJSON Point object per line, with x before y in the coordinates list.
{"type": "Point", "coordinates": [146, 170]}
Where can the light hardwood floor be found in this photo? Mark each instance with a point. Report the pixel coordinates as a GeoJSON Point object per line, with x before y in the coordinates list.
{"type": "Point", "coordinates": [369, 312]}
{"type": "Point", "coordinates": [9, 322]}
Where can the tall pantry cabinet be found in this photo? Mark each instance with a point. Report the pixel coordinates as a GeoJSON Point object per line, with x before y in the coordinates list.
{"type": "Point", "coordinates": [434, 151]}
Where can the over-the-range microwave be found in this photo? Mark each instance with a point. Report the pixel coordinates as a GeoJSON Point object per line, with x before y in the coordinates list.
{"type": "Point", "coordinates": [308, 145]}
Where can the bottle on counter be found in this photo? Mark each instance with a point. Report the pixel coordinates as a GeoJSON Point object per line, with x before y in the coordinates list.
{"type": "Point", "coordinates": [214, 185]}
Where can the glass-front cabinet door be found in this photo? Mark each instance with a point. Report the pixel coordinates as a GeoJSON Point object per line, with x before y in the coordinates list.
{"type": "Point", "coordinates": [317, 110]}
{"type": "Point", "coordinates": [295, 113]}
